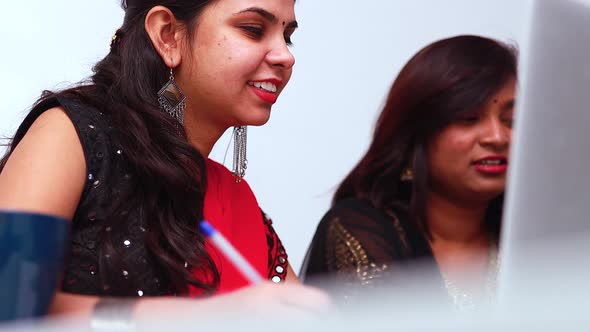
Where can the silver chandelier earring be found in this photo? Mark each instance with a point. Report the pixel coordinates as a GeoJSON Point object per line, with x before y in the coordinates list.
{"type": "Point", "coordinates": [172, 100]}
{"type": "Point", "coordinates": [240, 161]}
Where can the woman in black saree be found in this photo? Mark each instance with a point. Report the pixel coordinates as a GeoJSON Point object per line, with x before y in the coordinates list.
{"type": "Point", "coordinates": [431, 184]}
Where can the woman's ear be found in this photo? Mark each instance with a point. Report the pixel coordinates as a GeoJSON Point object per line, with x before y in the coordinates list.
{"type": "Point", "coordinates": [166, 34]}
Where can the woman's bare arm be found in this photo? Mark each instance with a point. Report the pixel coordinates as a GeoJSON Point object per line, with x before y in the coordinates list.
{"type": "Point", "coordinates": [46, 172]}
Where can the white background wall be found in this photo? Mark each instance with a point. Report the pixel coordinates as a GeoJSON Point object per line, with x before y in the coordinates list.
{"type": "Point", "coordinates": [348, 53]}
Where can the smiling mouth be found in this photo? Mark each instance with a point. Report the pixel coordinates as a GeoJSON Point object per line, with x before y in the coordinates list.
{"type": "Point", "coordinates": [492, 165]}
{"type": "Point", "coordinates": [265, 86]}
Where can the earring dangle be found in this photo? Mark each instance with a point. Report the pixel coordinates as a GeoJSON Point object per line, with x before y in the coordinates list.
{"type": "Point", "coordinates": [172, 100]}
{"type": "Point", "coordinates": [240, 161]}
{"type": "Point", "coordinates": [407, 175]}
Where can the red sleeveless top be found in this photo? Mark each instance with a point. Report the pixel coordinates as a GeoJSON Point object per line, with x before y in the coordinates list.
{"type": "Point", "coordinates": [233, 210]}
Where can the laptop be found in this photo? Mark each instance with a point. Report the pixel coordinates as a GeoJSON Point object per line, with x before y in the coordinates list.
{"type": "Point", "coordinates": [545, 243]}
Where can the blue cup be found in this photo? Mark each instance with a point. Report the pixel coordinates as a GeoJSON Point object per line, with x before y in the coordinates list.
{"type": "Point", "coordinates": [32, 250]}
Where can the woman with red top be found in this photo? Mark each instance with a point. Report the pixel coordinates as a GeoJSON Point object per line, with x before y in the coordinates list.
{"type": "Point", "coordinates": [124, 157]}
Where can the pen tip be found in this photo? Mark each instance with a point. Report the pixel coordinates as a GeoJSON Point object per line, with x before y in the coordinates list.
{"type": "Point", "coordinates": [206, 228]}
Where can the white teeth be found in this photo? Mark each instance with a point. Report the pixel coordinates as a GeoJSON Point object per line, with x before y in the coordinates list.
{"type": "Point", "coordinates": [264, 86]}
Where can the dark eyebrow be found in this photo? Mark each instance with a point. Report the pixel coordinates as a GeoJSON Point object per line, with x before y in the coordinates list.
{"type": "Point", "coordinates": [266, 15]}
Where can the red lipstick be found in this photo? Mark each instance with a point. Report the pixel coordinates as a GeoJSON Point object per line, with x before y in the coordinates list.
{"type": "Point", "coordinates": [265, 95]}
{"type": "Point", "coordinates": [491, 165]}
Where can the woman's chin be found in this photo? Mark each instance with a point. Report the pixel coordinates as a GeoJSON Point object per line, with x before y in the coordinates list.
{"type": "Point", "coordinates": [488, 194]}
{"type": "Point", "coordinates": [257, 120]}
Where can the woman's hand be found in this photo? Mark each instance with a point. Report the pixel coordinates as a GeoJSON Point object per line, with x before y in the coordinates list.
{"type": "Point", "coordinates": [267, 300]}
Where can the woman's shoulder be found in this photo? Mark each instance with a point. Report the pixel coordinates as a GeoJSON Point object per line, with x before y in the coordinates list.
{"type": "Point", "coordinates": [77, 110]}
{"type": "Point", "coordinates": [354, 211]}
{"type": "Point", "coordinates": [44, 173]}
{"type": "Point", "coordinates": [62, 109]}
{"type": "Point", "coordinates": [51, 130]}
{"type": "Point", "coordinates": [381, 233]}
{"type": "Point", "coordinates": [53, 117]}
{"type": "Point", "coordinates": [64, 124]}
{"type": "Point", "coordinates": [353, 237]}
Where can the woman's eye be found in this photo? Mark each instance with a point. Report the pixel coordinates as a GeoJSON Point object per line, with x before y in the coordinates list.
{"type": "Point", "coordinates": [288, 33]}
{"type": "Point", "coordinates": [253, 31]}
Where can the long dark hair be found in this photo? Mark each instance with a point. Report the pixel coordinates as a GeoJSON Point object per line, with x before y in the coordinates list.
{"type": "Point", "coordinates": [440, 84]}
{"type": "Point", "coordinates": [169, 180]}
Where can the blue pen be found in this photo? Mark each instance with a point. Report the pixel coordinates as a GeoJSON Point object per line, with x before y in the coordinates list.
{"type": "Point", "coordinates": [232, 254]}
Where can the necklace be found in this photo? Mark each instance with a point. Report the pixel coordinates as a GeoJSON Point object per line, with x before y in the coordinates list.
{"type": "Point", "coordinates": [467, 300]}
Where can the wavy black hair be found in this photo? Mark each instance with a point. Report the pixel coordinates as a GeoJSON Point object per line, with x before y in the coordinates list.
{"type": "Point", "coordinates": [441, 83]}
{"type": "Point", "coordinates": [123, 86]}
